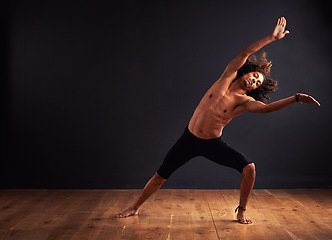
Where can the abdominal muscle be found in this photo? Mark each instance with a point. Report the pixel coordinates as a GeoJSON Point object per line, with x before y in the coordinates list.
{"type": "Point", "coordinates": [207, 122]}
{"type": "Point", "coordinates": [215, 111]}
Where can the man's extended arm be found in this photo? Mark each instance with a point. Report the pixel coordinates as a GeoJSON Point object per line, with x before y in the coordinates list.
{"type": "Point", "coordinates": [278, 33]}
{"type": "Point", "coordinates": [259, 107]}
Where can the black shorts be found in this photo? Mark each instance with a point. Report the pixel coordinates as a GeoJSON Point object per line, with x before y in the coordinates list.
{"type": "Point", "coordinates": [190, 146]}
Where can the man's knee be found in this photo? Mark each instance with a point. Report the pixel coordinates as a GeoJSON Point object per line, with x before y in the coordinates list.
{"type": "Point", "coordinates": [249, 169]}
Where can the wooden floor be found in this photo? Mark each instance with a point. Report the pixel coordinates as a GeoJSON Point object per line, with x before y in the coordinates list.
{"type": "Point", "coordinates": [169, 214]}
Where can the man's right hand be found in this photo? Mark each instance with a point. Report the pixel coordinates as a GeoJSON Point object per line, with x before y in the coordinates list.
{"type": "Point", "coordinates": [279, 30]}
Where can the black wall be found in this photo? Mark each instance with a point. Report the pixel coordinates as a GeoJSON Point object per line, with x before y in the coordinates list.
{"type": "Point", "coordinates": [96, 92]}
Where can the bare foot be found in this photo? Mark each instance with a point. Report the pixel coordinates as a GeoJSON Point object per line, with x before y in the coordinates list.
{"type": "Point", "coordinates": [242, 218]}
{"type": "Point", "coordinates": [128, 212]}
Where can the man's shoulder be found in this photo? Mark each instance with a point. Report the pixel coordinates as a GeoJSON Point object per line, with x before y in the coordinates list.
{"type": "Point", "coordinates": [249, 98]}
{"type": "Point", "coordinates": [243, 100]}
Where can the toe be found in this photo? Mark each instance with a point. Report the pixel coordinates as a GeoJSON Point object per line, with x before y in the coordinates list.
{"type": "Point", "coordinates": [248, 221]}
{"type": "Point", "coordinates": [243, 221]}
{"type": "Point", "coordinates": [120, 215]}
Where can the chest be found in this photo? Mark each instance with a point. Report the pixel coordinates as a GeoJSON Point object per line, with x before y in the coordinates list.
{"type": "Point", "coordinates": [227, 103]}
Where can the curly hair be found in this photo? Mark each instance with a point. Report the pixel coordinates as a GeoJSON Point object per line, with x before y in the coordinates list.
{"type": "Point", "coordinates": [263, 66]}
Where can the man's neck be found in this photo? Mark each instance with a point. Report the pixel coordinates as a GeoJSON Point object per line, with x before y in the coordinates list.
{"type": "Point", "coordinates": [236, 87]}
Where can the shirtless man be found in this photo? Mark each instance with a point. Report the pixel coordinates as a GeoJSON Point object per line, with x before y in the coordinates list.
{"type": "Point", "coordinates": [243, 86]}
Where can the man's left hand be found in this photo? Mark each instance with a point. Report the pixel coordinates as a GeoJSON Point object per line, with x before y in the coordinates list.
{"type": "Point", "coordinates": [305, 98]}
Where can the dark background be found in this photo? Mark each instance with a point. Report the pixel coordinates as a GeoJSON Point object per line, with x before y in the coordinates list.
{"type": "Point", "coordinates": [96, 92]}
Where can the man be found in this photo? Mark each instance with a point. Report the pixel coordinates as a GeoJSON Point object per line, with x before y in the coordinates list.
{"type": "Point", "coordinates": [243, 86]}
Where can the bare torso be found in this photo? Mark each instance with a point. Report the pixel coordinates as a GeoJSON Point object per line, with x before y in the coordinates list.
{"type": "Point", "coordinates": [215, 111]}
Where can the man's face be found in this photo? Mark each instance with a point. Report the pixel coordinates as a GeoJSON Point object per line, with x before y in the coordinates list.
{"type": "Point", "coordinates": [252, 80]}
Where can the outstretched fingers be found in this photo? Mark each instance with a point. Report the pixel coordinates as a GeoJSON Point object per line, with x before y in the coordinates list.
{"type": "Point", "coordinates": [279, 30]}
{"type": "Point", "coordinates": [281, 22]}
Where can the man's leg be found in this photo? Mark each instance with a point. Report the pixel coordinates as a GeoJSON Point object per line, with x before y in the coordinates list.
{"type": "Point", "coordinates": [151, 187]}
{"type": "Point", "coordinates": [247, 183]}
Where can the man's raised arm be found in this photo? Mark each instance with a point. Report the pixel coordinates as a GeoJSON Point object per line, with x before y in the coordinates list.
{"type": "Point", "coordinates": [278, 33]}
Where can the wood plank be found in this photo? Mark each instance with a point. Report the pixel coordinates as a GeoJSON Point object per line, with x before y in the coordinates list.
{"type": "Point", "coordinates": [8, 196]}
{"type": "Point", "coordinates": [285, 215]}
{"type": "Point", "coordinates": [72, 213]}
{"type": "Point", "coordinates": [180, 216]}
{"type": "Point", "coordinates": [116, 228]}
{"type": "Point", "coordinates": [190, 216]}
{"type": "Point", "coordinates": [202, 223]}
{"type": "Point", "coordinates": [223, 216]}
{"type": "Point", "coordinates": [322, 196]}
{"type": "Point", "coordinates": [40, 212]}
{"type": "Point", "coordinates": [263, 216]}
{"type": "Point", "coordinates": [158, 211]}
{"type": "Point", "coordinates": [168, 214]}
{"type": "Point", "coordinates": [92, 225]}
{"type": "Point", "coordinates": [312, 223]}
{"type": "Point", "coordinates": [109, 226]}
{"type": "Point", "coordinates": [321, 217]}
{"type": "Point", "coordinates": [320, 211]}
{"type": "Point", "coordinates": [20, 208]}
